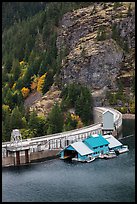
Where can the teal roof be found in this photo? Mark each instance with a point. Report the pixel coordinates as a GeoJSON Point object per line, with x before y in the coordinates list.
{"type": "Point", "coordinates": [69, 147]}
{"type": "Point", "coordinates": [95, 141]}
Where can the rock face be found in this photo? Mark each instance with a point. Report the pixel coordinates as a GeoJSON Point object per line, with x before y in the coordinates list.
{"type": "Point", "coordinates": [44, 105]}
{"type": "Point", "coordinates": [95, 62]}
{"type": "Point", "coordinates": [97, 68]}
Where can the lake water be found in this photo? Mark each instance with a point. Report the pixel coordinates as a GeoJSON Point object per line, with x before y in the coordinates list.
{"type": "Point", "coordinates": [55, 180]}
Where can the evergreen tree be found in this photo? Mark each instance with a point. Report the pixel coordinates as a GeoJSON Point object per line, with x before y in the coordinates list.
{"type": "Point", "coordinates": [10, 80]}
{"type": "Point", "coordinates": [8, 100]}
{"type": "Point", "coordinates": [16, 119]}
{"type": "Point", "coordinates": [33, 120]}
{"type": "Point", "coordinates": [27, 77]}
{"type": "Point", "coordinates": [78, 97]}
{"type": "Point", "coordinates": [17, 98]}
{"type": "Point", "coordinates": [115, 32]}
{"type": "Point", "coordinates": [84, 106]}
{"type": "Point", "coordinates": [4, 93]}
{"type": "Point", "coordinates": [48, 81]}
{"type": "Point", "coordinates": [5, 110]}
{"type": "Point", "coordinates": [37, 124]}
{"type": "Point", "coordinates": [41, 126]}
{"type": "Point", "coordinates": [7, 58]}
{"type": "Point", "coordinates": [6, 126]}
{"type": "Point", "coordinates": [117, 4]}
{"type": "Point", "coordinates": [69, 124]}
{"type": "Point", "coordinates": [55, 120]}
{"type": "Point", "coordinates": [43, 69]}
{"type": "Point", "coordinates": [16, 69]}
{"type": "Point", "coordinates": [101, 35]}
{"type": "Point", "coordinates": [4, 76]}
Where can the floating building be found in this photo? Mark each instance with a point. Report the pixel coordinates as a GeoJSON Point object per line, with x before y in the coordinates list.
{"type": "Point", "coordinates": [113, 142]}
{"type": "Point", "coordinates": [95, 146]}
{"type": "Point", "coordinates": [89, 147]}
{"type": "Point", "coordinates": [97, 143]}
{"type": "Point", "coordinates": [76, 150]}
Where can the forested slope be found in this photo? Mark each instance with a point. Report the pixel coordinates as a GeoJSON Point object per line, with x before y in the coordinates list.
{"type": "Point", "coordinates": [30, 64]}
{"type": "Point", "coordinates": [59, 59]}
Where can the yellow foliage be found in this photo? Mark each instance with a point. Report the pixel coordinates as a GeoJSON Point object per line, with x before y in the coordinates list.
{"type": "Point", "coordinates": [25, 92]}
{"type": "Point", "coordinates": [22, 62]}
{"type": "Point", "coordinates": [41, 82]}
{"type": "Point", "coordinates": [73, 116]}
{"type": "Point", "coordinates": [13, 85]}
{"type": "Point", "coordinates": [77, 118]}
{"type": "Point", "coordinates": [34, 83]}
{"type": "Point", "coordinates": [132, 107]}
{"type": "Point", "coordinates": [80, 124]}
{"type": "Point", "coordinates": [6, 107]}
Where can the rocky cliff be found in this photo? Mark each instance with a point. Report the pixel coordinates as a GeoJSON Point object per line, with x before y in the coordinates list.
{"type": "Point", "coordinates": [100, 42]}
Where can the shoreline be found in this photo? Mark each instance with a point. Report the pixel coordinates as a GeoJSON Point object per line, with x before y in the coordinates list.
{"type": "Point", "coordinates": [128, 116]}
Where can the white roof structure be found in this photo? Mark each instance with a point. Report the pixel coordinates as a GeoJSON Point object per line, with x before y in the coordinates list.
{"type": "Point", "coordinates": [107, 112]}
{"type": "Point", "coordinates": [81, 148]}
{"type": "Point", "coordinates": [113, 142]}
{"type": "Point", "coordinates": [94, 135]}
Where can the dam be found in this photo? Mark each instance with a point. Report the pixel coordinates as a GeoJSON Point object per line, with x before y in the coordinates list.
{"type": "Point", "coordinates": [106, 120]}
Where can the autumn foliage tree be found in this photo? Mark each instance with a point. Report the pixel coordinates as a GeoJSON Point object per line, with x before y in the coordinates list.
{"type": "Point", "coordinates": [34, 83]}
{"type": "Point", "coordinates": [41, 83]}
{"type": "Point", "coordinates": [25, 91]}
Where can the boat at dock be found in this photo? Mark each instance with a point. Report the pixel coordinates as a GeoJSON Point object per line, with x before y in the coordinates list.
{"type": "Point", "coordinates": [91, 159]}
{"type": "Point", "coordinates": [123, 149]}
{"type": "Point", "coordinates": [86, 160]}
{"type": "Point", "coordinates": [107, 156]}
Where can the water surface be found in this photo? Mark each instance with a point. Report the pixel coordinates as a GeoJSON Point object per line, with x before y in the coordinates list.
{"type": "Point", "coordinates": [110, 180]}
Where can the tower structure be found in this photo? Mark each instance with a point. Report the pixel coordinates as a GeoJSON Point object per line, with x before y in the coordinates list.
{"type": "Point", "coordinates": [16, 138]}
